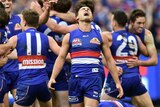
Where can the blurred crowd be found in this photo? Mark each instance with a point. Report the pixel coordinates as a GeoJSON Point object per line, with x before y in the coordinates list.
{"type": "Point", "coordinates": [103, 9]}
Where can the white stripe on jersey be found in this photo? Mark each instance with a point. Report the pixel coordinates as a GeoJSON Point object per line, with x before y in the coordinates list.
{"type": "Point", "coordinates": [85, 61]}
{"type": "Point", "coordinates": [47, 31]}
{"type": "Point", "coordinates": [39, 44]}
{"type": "Point", "coordinates": [28, 37]}
{"type": "Point", "coordinates": [31, 67]}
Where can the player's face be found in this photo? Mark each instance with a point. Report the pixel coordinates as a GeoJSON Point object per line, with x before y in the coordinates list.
{"type": "Point", "coordinates": [85, 14]}
{"type": "Point", "coordinates": [8, 5]}
{"type": "Point", "coordinates": [139, 24]}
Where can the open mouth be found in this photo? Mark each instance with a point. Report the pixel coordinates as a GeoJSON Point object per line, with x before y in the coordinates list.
{"type": "Point", "coordinates": [86, 14]}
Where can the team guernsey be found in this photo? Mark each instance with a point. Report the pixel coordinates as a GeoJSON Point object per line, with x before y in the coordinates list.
{"type": "Point", "coordinates": [11, 68]}
{"type": "Point", "coordinates": [3, 39]}
{"type": "Point", "coordinates": [32, 49]}
{"type": "Point", "coordinates": [62, 78]}
{"type": "Point", "coordinates": [87, 69]}
{"type": "Point", "coordinates": [125, 46]}
{"type": "Point", "coordinates": [85, 53]}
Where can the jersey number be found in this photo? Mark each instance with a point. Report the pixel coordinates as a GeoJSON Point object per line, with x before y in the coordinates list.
{"type": "Point", "coordinates": [131, 42]}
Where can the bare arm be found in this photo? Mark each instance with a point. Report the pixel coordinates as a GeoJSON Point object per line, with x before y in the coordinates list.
{"type": "Point", "coordinates": [44, 15]}
{"type": "Point", "coordinates": [111, 64]}
{"type": "Point", "coordinates": [60, 60]}
{"type": "Point", "coordinates": [151, 52]}
{"type": "Point", "coordinates": [68, 17]}
{"type": "Point", "coordinates": [10, 45]}
{"type": "Point", "coordinates": [149, 42]}
{"type": "Point", "coordinates": [60, 28]}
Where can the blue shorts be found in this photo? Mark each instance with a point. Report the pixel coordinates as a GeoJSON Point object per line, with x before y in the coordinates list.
{"type": "Point", "coordinates": [3, 89]}
{"type": "Point", "coordinates": [82, 86]}
{"type": "Point", "coordinates": [132, 86]}
{"type": "Point", "coordinates": [11, 79]}
{"type": "Point", "coordinates": [26, 94]}
{"type": "Point", "coordinates": [62, 79]}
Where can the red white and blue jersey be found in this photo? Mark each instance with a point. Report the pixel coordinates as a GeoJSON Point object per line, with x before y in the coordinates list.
{"type": "Point", "coordinates": [124, 46]}
{"type": "Point", "coordinates": [13, 28]}
{"type": "Point", "coordinates": [85, 50]}
{"type": "Point", "coordinates": [32, 49]}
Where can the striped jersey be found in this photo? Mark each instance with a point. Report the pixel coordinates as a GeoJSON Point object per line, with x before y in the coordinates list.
{"type": "Point", "coordinates": [85, 50]}
{"type": "Point", "coordinates": [32, 49]}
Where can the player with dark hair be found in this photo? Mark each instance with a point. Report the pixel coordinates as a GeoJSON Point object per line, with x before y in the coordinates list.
{"type": "Point", "coordinates": [32, 49]}
{"type": "Point", "coordinates": [4, 19]}
{"type": "Point", "coordinates": [137, 26]}
{"type": "Point", "coordinates": [85, 46]}
{"type": "Point", "coordinates": [124, 47]}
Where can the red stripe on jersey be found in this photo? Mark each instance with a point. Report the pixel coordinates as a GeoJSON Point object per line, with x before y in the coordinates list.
{"type": "Point", "coordinates": [123, 57]}
{"type": "Point", "coordinates": [85, 53]}
{"type": "Point", "coordinates": [32, 60]}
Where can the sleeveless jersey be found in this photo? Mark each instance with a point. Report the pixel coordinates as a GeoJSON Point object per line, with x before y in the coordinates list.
{"type": "Point", "coordinates": [13, 28]}
{"type": "Point", "coordinates": [3, 39]}
{"type": "Point", "coordinates": [124, 46]}
{"type": "Point", "coordinates": [32, 49]}
{"type": "Point", "coordinates": [85, 50]}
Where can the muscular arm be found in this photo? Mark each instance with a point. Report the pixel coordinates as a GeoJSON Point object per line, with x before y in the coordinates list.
{"type": "Point", "coordinates": [60, 28]}
{"type": "Point", "coordinates": [68, 17]}
{"type": "Point", "coordinates": [111, 64]}
{"type": "Point", "coordinates": [60, 60]}
{"type": "Point", "coordinates": [152, 52]}
{"type": "Point", "coordinates": [10, 45]}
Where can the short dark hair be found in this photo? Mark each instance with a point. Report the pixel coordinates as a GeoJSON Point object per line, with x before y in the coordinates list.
{"type": "Point", "coordinates": [62, 6]}
{"type": "Point", "coordinates": [1, 5]}
{"type": "Point", "coordinates": [31, 17]}
{"type": "Point", "coordinates": [84, 3]}
{"type": "Point", "coordinates": [4, 18]}
{"type": "Point", "coordinates": [120, 17]}
{"type": "Point", "coordinates": [135, 14]}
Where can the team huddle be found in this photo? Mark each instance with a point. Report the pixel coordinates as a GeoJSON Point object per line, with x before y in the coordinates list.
{"type": "Point", "coordinates": [51, 57]}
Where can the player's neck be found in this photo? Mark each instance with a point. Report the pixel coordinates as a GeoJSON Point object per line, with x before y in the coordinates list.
{"type": "Point", "coordinates": [119, 28]}
{"type": "Point", "coordinates": [29, 27]}
{"type": "Point", "coordinates": [85, 27]}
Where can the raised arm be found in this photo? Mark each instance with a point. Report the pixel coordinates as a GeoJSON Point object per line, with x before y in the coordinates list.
{"type": "Point", "coordinates": [60, 28]}
{"type": "Point", "coordinates": [111, 64]}
{"type": "Point", "coordinates": [68, 17]}
{"type": "Point", "coordinates": [60, 60]}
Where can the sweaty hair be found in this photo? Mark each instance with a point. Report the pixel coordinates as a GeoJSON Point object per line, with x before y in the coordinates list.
{"type": "Point", "coordinates": [120, 17]}
{"type": "Point", "coordinates": [62, 6]}
{"type": "Point", "coordinates": [84, 3]}
{"type": "Point", "coordinates": [31, 17]}
{"type": "Point", "coordinates": [1, 5]}
{"type": "Point", "coordinates": [135, 14]}
{"type": "Point", "coordinates": [4, 18]}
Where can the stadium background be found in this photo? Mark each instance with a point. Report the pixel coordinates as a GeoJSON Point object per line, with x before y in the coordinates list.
{"type": "Point", "coordinates": [103, 8]}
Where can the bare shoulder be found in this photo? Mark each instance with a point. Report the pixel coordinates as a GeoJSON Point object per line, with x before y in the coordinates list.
{"type": "Point", "coordinates": [148, 32]}
{"type": "Point", "coordinates": [107, 35]}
